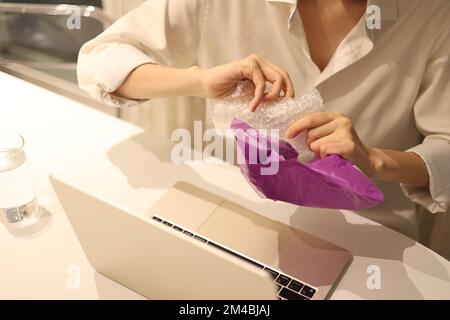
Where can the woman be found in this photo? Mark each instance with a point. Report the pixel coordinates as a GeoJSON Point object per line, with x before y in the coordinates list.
{"type": "Point", "coordinates": [386, 83]}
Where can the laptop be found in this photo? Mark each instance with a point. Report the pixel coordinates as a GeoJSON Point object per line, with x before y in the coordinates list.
{"type": "Point", "coordinates": [193, 244]}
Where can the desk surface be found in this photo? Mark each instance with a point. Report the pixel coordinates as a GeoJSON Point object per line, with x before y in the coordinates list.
{"type": "Point", "coordinates": [120, 162]}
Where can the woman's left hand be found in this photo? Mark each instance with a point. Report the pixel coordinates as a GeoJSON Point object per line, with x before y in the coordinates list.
{"type": "Point", "coordinates": [332, 133]}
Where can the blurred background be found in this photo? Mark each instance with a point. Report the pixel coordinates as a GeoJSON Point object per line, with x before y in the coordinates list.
{"type": "Point", "coordinates": [37, 45]}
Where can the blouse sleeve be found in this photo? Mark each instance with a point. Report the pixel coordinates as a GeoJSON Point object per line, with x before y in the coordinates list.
{"type": "Point", "coordinates": [432, 115]}
{"type": "Point", "coordinates": [165, 32]}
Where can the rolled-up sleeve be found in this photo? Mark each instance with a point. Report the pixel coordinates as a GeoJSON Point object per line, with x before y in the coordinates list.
{"type": "Point", "coordinates": [432, 114]}
{"type": "Point", "coordinates": [165, 32]}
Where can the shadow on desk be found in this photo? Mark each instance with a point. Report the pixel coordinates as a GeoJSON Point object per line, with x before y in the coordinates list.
{"type": "Point", "coordinates": [152, 168]}
{"type": "Point", "coordinates": [108, 289]}
{"type": "Point", "coordinates": [394, 263]}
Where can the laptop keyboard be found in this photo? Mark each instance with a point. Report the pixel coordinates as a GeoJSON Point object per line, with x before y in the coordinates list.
{"type": "Point", "coordinates": [288, 287]}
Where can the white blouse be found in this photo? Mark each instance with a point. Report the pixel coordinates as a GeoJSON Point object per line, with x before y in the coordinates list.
{"type": "Point", "coordinates": [393, 82]}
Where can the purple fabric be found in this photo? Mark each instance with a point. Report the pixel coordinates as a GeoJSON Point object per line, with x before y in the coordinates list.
{"type": "Point", "coordinates": [332, 182]}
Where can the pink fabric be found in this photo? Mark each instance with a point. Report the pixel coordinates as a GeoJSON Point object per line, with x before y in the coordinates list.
{"type": "Point", "coordinates": [332, 182]}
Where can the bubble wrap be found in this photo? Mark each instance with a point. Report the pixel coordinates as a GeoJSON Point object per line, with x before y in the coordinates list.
{"type": "Point", "coordinates": [278, 114]}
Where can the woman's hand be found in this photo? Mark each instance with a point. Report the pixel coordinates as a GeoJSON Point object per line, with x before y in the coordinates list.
{"type": "Point", "coordinates": [221, 81]}
{"type": "Point", "coordinates": [151, 81]}
{"type": "Point", "coordinates": [333, 133]}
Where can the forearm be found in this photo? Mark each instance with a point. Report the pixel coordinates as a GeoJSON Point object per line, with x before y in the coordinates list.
{"type": "Point", "coordinates": [152, 81]}
{"type": "Point", "coordinates": [397, 166]}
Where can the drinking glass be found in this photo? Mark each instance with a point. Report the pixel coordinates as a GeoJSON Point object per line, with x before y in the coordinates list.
{"type": "Point", "coordinates": [18, 203]}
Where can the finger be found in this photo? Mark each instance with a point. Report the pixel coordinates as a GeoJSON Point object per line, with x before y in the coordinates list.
{"type": "Point", "coordinates": [316, 145]}
{"type": "Point", "coordinates": [289, 91]}
{"type": "Point", "coordinates": [310, 121]}
{"type": "Point", "coordinates": [337, 148]}
{"type": "Point", "coordinates": [329, 149]}
{"type": "Point", "coordinates": [284, 89]}
{"type": "Point", "coordinates": [275, 92]}
{"type": "Point", "coordinates": [288, 86]}
{"type": "Point", "coordinates": [260, 86]}
{"type": "Point", "coordinates": [273, 76]}
{"type": "Point", "coordinates": [322, 131]}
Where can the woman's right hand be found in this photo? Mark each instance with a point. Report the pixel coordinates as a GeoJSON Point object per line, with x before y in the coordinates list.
{"type": "Point", "coordinates": [221, 81]}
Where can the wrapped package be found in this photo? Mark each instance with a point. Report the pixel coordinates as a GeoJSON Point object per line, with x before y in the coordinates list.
{"type": "Point", "coordinates": [278, 114]}
{"type": "Point", "coordinates": [332, 182]}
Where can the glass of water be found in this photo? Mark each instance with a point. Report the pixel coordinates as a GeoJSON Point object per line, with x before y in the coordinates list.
{"type": "Point", "coordinates": [18, 204]}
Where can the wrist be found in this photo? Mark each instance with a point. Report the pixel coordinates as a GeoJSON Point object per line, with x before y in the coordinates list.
{"type": "Point", "coordinates": [376, 163]}
{"type": "Point", "coordinates": [195, 82]}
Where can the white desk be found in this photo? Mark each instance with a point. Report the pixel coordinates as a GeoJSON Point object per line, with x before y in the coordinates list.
{"type": "Point", "coordinates": [120, 162]}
